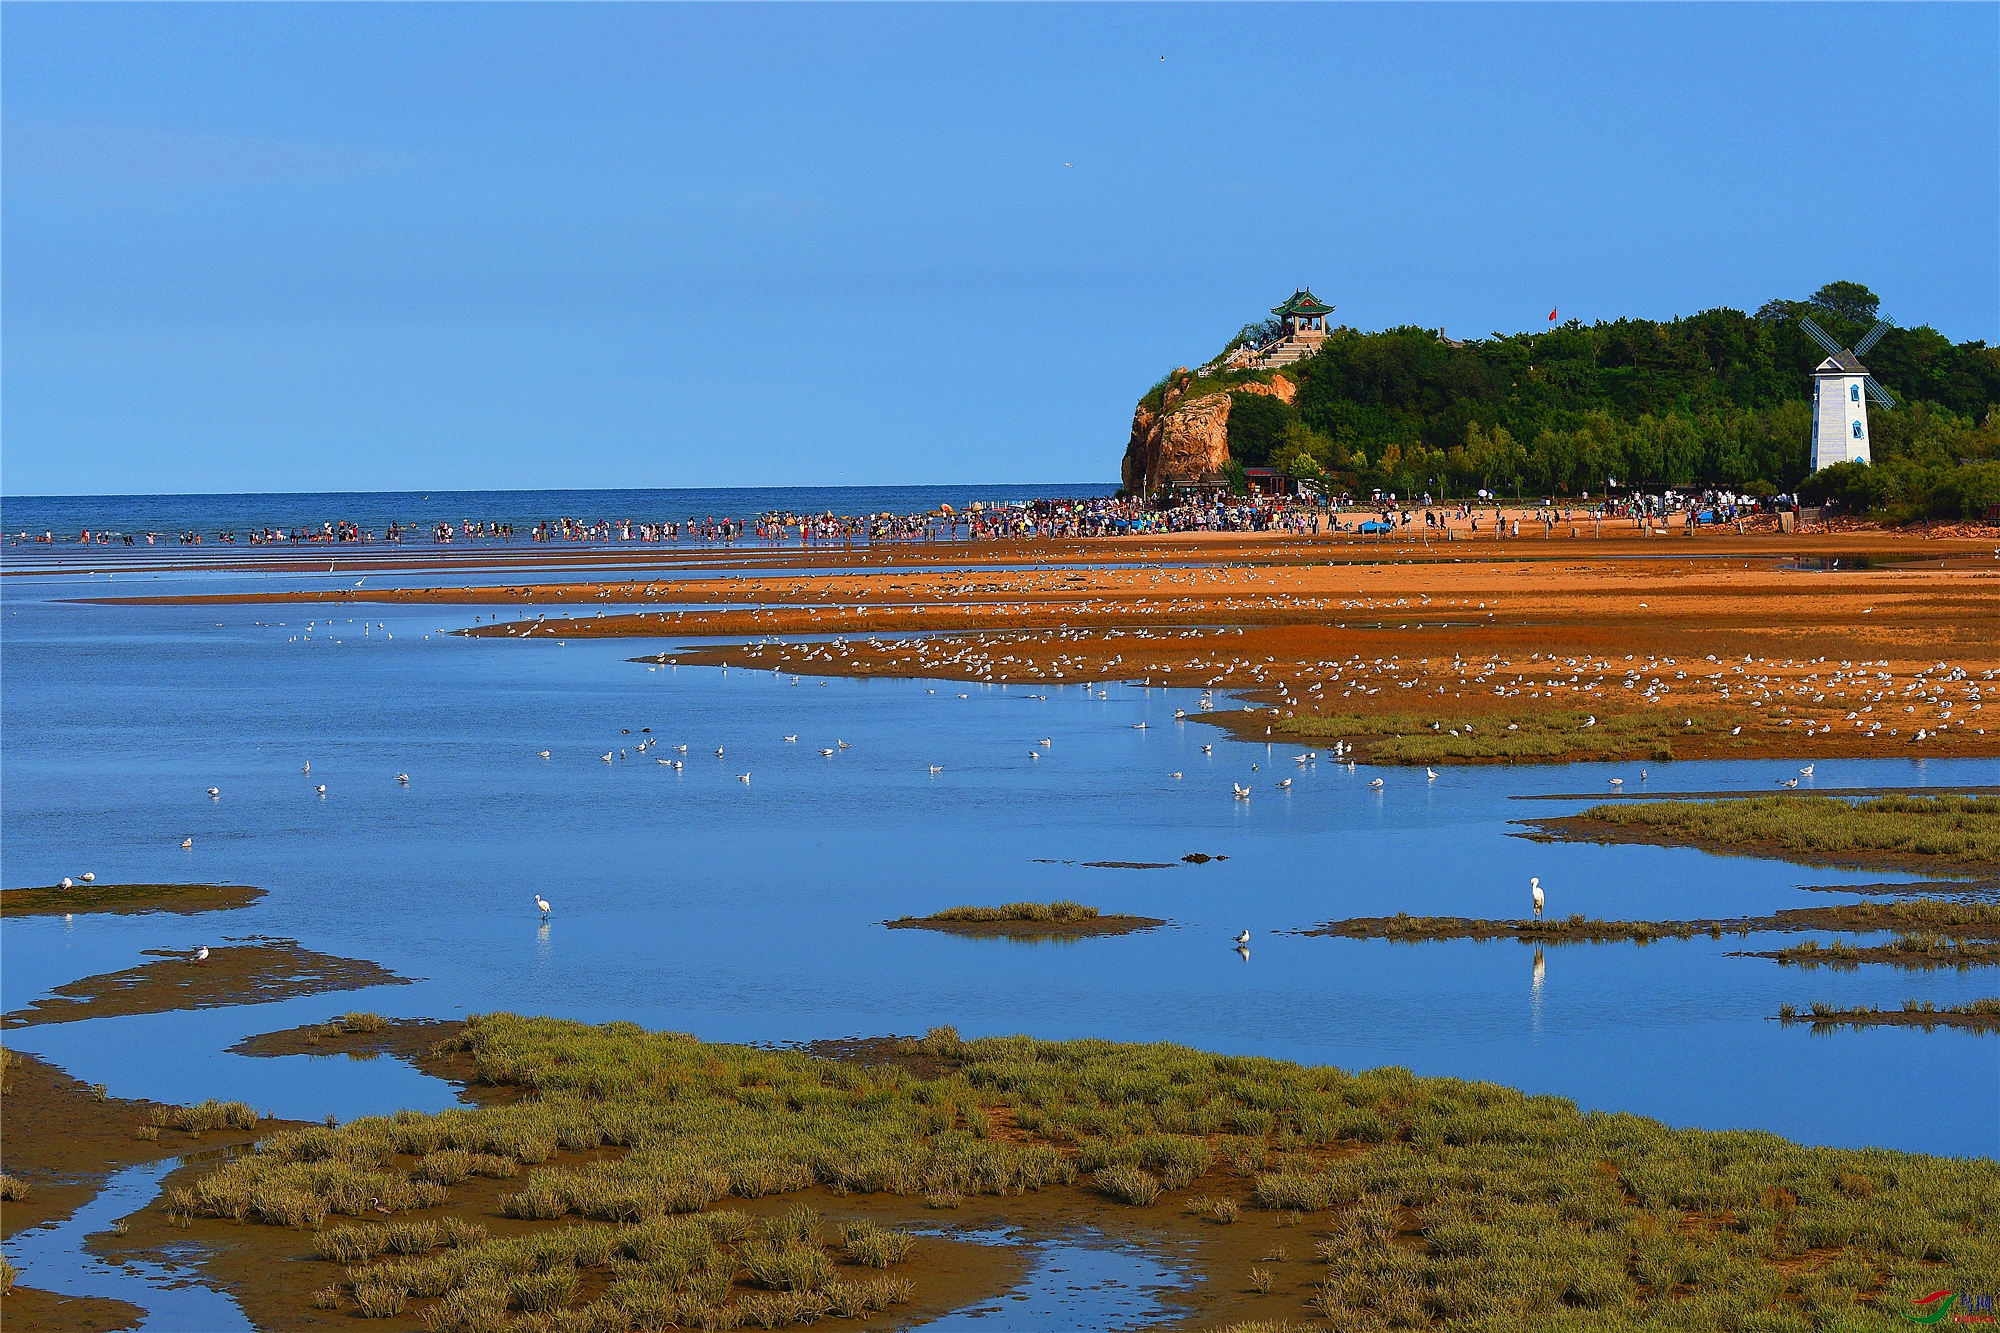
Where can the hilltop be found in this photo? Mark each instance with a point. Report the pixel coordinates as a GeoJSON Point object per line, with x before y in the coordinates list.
{"type": "Point", "coordinates": [1720, 398]}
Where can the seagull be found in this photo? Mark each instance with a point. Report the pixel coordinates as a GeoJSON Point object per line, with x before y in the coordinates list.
{"type": "Point", "coordinates": [1617, 782]}
{"type": "Point", "coordinates": [543, 753]}
{"type": "Point", "coordinates": [826, 752]}
{"type": "Point", "coordinates": [68, 883]}
{"type": "Point", "coordinates": [606, 756]}
{"type": "Point", "coordinates": [542, 903]}
{"type": "Point", "coordinates": [718, 752]}
{"type": "Point", "coordinates": [790, 739]}
{"type": "Point", "coordinates": [186, 843]}
{"type": "Point", "coordinates": [682, 749]}
{"type": "Point", "coordinates": [1286, 783]}
{"type": "Point", "coordinates": [201, 954]}
{"type": "Point", "coordinates": [1242, 793]}
{"type": "Point", "coordinates": [1034, 754]}
{"type": "Point", "coordinates": [1806, 772]}
{"type": "Point", "coordinates": [1138, 726]}
{"type": "Point", "coordinates": [937, 768]}
{"type": "Point", "coordinates": [742, 777]}
{"type": "Point", "coordinates": [1535, 887]}
{"type": "Point", "coordinates": [1788, 782]}
{"type": "Point", "coordinates": [215, 791]}
{"type": "Point", "coordinates": [843, 745]}
{"type": "Point", "coordinates": [1244, 938]}
{"type": "Point", "coordinates": [1431, 773]}
{"type": "Point", "coordinates": [1376, 782]}
{"type": "Point", "coordinates": [1736, 731]}
{"type": "Point", "coordinates": [1046, 743]}
{"type": "Point", "coordinates": [668, 762]}
{"type": "Point", "coordinates": [403, 778]}
{"type": "Point", "coordinates": [321, 789]}
{"type": "Point", "coordinates": [306, 768]}
{"type": "Point", "coordinates": [1175, 776]}
{"type": "Point", "coordinates": [1590, 721]}
{"type": "Point", "coordinates": [89, 877]}
{"type": "Point", "coordinates": [1208, 749]}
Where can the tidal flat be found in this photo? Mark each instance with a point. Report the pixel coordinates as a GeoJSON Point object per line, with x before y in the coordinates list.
{"type": "Point", "coordinates": [685, 899]}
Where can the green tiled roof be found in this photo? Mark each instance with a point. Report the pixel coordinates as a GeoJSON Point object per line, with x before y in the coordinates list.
{"type": "Point", "coordinates": [1302, 302]}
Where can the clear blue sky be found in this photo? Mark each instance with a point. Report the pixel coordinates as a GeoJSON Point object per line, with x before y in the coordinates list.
{"type": "Point", "coordinates": [259, 247]}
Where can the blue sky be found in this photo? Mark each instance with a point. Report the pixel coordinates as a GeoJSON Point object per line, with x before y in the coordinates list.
{"type": "Point", "coordinates": [263, 247]}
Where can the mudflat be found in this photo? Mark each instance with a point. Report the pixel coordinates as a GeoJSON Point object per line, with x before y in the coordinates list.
{"type": "Point", "coordinates": [253, 971]}
{"type": "Point", "coordinates": [126, 899]}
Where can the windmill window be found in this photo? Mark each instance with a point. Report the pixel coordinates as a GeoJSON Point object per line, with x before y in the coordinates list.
{"type": "Point", "coordinates": [1854, 393]}
{"type": "Point", "coordinates": [1857, 430]}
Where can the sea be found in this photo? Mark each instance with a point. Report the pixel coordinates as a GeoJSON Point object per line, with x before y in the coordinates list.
{"type": "Point", "coordinates": [692, 900]}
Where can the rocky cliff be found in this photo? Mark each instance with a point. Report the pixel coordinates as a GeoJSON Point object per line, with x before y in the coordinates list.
{"type": "Point", "coordinates": [1185, 439]}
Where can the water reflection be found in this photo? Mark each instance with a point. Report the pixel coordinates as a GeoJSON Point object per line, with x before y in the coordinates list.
{"type": "Point", "coordinates": [1535, 993]}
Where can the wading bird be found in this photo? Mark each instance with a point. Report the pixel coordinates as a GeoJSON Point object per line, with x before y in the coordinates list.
{"type": "Point", "coordinates": [1431, 773]}
{"type": "Point", "coordinates": [1535, 888]}
{"type": "Point", "coordinates": [201, 954]}
{"type": "Point", "coordinates": [542, 903]}
{"type": "Point", "coordinates": [1244, 938]}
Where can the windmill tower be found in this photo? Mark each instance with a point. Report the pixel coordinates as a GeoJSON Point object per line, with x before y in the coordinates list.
{"type": "Point", "coordinates": [1842, 387]}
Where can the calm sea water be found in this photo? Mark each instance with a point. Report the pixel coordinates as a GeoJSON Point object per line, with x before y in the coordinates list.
{"type": "Point", "coordinates": [67, 515]}
{"type": "Point", "coordinates": [749, 911]}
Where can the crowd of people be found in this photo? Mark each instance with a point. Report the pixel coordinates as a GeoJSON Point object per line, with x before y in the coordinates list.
{"type": "Point", "coordinates": [1052, 519]}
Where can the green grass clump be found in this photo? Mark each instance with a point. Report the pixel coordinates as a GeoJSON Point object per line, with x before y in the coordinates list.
{"type": "Point", "coordinates": [7, 1275]}
{"type": "Point", "coordinates": [1128, 1184]}
{"type": "Point", "coordinates": [207, 1115]}
{"type": "Point", "coordinates": [1440, 1202]}
{"type": "Point", "coordinates": [1958, 829]}
{"type": "Point", "coordinates": [1056, 911]}
{"type": "Point", "coordinates": [360, 1022]}
{"type": "Point", "coordinates": [12, 1188]}
{"type": "Point", "coordinates": [872, 1246]}
{"type": "Point", "coordinates": [1407, 738]}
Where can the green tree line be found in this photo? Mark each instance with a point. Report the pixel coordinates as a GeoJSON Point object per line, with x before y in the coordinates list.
{"type": "Point", "coordinates": [1721, 398]}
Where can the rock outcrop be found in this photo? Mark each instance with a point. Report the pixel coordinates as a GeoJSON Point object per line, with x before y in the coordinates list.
{"type": "Point", "coordinates": [1179, 442]}
{"type": "Point", "coordinates": [1186, 440]}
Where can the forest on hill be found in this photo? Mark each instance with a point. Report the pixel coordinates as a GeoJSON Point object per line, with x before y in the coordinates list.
{"type": "Point", "coordinates": [1720, 399]}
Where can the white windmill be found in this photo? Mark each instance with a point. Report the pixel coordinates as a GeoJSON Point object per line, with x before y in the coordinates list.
{"type": "Point", "coordinates": [1842, 387]}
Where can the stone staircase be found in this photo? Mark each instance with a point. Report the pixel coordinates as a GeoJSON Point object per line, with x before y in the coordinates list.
{"type": "Point", "coordinates": [1286, 352]}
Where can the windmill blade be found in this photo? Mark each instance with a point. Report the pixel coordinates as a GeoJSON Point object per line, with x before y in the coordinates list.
{"type": "Point", "coordinates": [1819, 335]}
{"type": "Point", "coordinates": [1877, 392]}
{"type": "Point", "coordinates": [1873, 336]}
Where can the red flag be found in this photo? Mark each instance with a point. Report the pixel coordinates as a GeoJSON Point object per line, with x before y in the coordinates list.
{"type": "Point", "coordinates": [1552, 316]}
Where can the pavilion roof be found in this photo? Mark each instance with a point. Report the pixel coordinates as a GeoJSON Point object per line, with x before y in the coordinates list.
{"type": "Point", "coordinates": [1302, 302]}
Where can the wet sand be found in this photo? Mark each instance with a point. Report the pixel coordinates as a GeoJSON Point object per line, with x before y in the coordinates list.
{"type": "Point", "coordinates": [126, 899]}
{"type": "Point", "coordinates": [254, 971]}
{"type": "Point", "coordinates": [1361, 639]}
